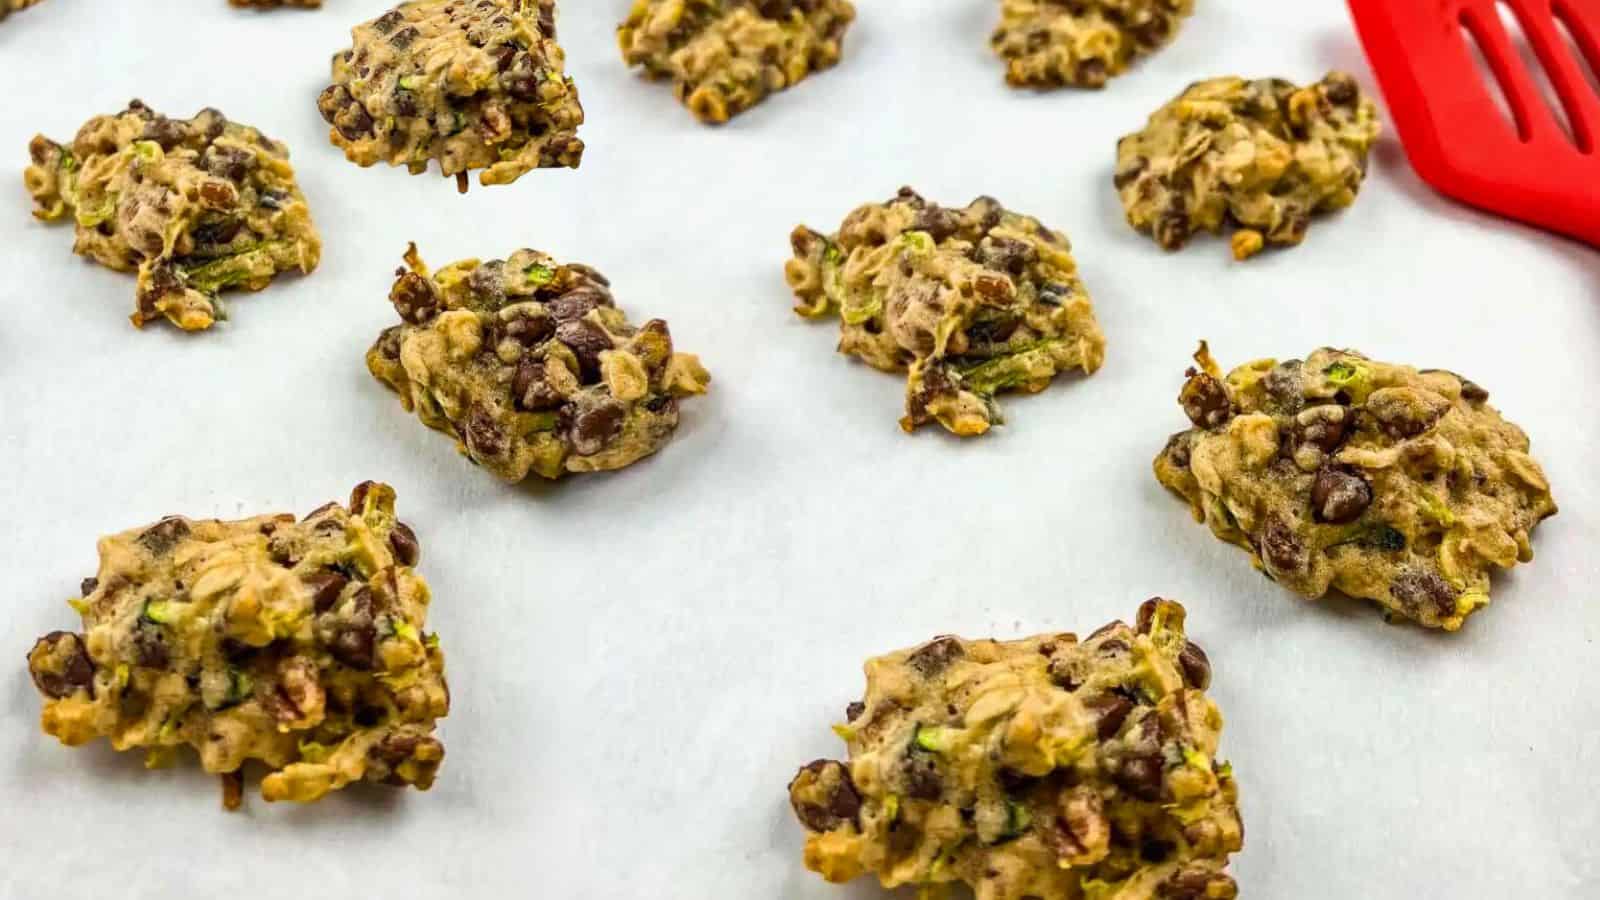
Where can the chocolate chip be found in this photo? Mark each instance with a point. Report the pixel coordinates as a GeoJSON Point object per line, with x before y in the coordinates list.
{"type": "Point", "coordinates": [482, 436]}
{"type": "Point", "coordinates": [165, 131]}
{"type": "Point", "coordinates": [232, 163]}
{"type": "Point", "coordinates": [1147, 615]}
{"type": "Point", "coordinates": [590, 429]}
{"type": "Point", "coordinates": [56, 676]}
{"type": "Point", "coordinates": [921, 775]}
{"type": "Point", "coordinates": [160, 538]}
{"type": "Point", "coordinates": [1284, 386]}
{"type": "Point", "coordinates": [87, 586]}
{"type": "Point", "coordinates": [840, 805]}
{"type": "Point", "coordinates": [1110, 711]}
{"type": "Point", "coordinates": [325, 587]}
{"type": "Point", "coordinates": [150, 646]}
{"type": "Point", "coordinates": [1417, 589]}
{"type": "Point", "coordinates": [1323, 427]}
{"type": "Point", "coordinates": [935, 656]}
{"type": "Point", "coordinates": [1006, 254]}
{"type": "Point", "coordinates": [1177, 450]}
{"type": "Point", "coordinates": [1280, 549]}
{"type": "Point", "coordinates": [854, 711]}
{"type": "Point", "coordinates": [1205, 401]}
{"type": "Point", "coordinates": [358, 497]}
{"type": "Point", "coordinates": [1196, 666]}
{"type": "Point", "coordinates": [587, 341]}
{"type": "Point", "coordinates": [415, 298]}
{"type": "Point", "coordinates": [1339, 496]}
{"type": "Point", "coordinates": [531, 390]}
{"type": "Point", "coordinates": [1339, 88]}
{"type": "Point", "coordinates": [938, 222]}
{"type": "Point", "coordinates": [576, 303]}
{"type": "Point", "coordinates": [528, 330]}
{"type": "Point", "coordinates": [353, 644]}
{"type": "Point", "coordinates": [404, 543]}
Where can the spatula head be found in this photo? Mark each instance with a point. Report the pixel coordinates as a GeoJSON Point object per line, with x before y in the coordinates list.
{"type": "Point", "coordinates": [1444, 106]}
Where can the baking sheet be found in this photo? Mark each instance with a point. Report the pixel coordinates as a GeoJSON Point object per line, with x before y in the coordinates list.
{"type": "Point", "coordinates": [639, 661]}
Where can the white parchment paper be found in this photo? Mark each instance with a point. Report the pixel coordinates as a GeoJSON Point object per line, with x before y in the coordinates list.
{"type": "Point", "coordinates": [639, 661]}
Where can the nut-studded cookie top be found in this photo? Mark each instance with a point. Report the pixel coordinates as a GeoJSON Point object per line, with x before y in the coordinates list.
{"type": "Point", "coordinates": [298, 643]}
{"type": "Point", "coordinates": [473, 84]}
{"type": "Point", "coordinates": [1381, 481]}
{"type": "Point", "coordinates": [196, 206]}
{"type": "Point", "coordinates": [530, 366]}
{"type": "Point", "coordinates": [1052, 43]}
{"type": "Point", "coordinates": [970, 302]}
{"type": "Point", "coordinates": [1042, 768]}
{"type": "Point", "coordinates": [725, 56]}
{"type": "Point", "coordinates": [1263, 156]}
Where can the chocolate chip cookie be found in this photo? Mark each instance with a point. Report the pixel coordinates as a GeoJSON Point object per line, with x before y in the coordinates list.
{"type": "Point", "coordinates": [1260, 156]}
{"type": "Point", "coordinates": [530, 366]}
{"type": "Point", "coordinates": [472, 84]}
{"type": "Point", "coordinates": [969, 302]}
{"type": "Point", "coordinates": [1400, 485]}
{"type": "Point", "coordinates": [725, 56]}
{"type": "Point", "coordinates": [195, 206]}
{"type": "Point", "coordinates": [298, 643]}
{"type": "Point", "coordinates": [1039, 769]}
{"type": "Point", "coordinates": [1084, 43]}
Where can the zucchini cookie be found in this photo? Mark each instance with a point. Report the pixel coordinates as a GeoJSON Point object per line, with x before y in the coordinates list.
{"type": "Point", "coordinates": [1084, 43]}
{"type": "Point", "coordinates": [1262, 156]}
{"type": "Point", "coordinates": [474, 84]}
{"type": "Point", "coordinates": [195, 206]}
{"type": "Point", "coordinates": [530, 366]}
{"type": "Point", "coordinates": [1042, 768]}
{"type": "Point", "coordinates": [1399, 485]}
{"type": "Point", "coordinates": [296, 643]}
{"type": "Point", "coordinates": [969, 302]}
{"type": "Point", "coordinates": [725, 56]}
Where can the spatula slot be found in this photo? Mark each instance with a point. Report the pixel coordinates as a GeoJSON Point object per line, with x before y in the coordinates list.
{"type": "Point", "coordinates": [1535, 64]}
{"type": "Point", "coordinates": [1581, 42]}
{"type": "Point", "coordinates": [1492, 74]}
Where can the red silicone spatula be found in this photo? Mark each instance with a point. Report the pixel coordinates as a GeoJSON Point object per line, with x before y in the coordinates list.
{"type": "Point", "coordinates": [1452, 129]}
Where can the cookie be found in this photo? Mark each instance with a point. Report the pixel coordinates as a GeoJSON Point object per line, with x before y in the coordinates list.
{"type": "Point", "coordinates": [1043, 768]}
{"type": "Point", "coordinates": [1260, 156]}
{"type": "Point", "coordinates": [968, 302]}
{"type": "Point", "coordinates": [299, 644]}
{"type": "Point", "coordinates": [725, 56]}
{"type": "Point", "coordinates": [1339, 472]}
{"type": "Point", "coordinates": [531, 367]}
{"type": "Point", "coordinates": [194, 206]}
{"type": "Point", "coordinates": [1047, 43]}
{"type": "Point", "coordinates": [472, 84]}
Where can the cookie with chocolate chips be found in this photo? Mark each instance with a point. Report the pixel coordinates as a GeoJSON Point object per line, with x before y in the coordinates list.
{"type": "Point", "coordinates": [1046, 768]}
{"type": "Point", "coordinates": [530, 366]}
{"type": "Point", "coordinates": [1339, 472]}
